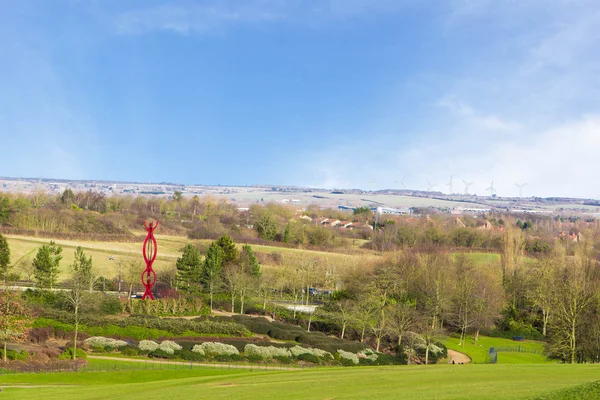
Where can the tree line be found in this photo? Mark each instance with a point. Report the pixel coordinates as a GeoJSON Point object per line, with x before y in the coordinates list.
{"type": "Point", "coordinates": [413, 295]}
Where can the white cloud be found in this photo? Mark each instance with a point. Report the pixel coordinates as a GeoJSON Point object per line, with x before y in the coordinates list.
{"type": "Point", "coordinates": [475, 119]}
{"type": "Point", "coordinates": [561, 161]}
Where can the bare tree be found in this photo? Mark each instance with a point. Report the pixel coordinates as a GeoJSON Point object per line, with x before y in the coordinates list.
{"type": "Point", "coordinates": [231, 274]}
{"type": "Point", "coordinates": [362, 313]}
{"type": "Point", "coordinates": [402, 317]}
{"type": "Point", "coordinates": [465, 302]}
{"type": "Point", "coordinates": [542, 293]}
{"type": "Point", "coordinates": [576, 287]}
{"type": "Point", "coordinates": [511, 260]}
{"type": "Point", "coordinates": [344, 314]}
{"type": "Point", "coordinates": [269, 281]}
{"type": "Point", "coordinates": [430, 334]}
{"type": "Point", "coordinates": [435, 287]}
{"type": "Point", "coordinates": [14, 319]}
{"type": "Point", "coordinates": [76, 296]}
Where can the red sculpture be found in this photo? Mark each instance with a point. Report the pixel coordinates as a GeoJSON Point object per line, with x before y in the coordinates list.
{"type": "Point", "coordinates": [149, 251]}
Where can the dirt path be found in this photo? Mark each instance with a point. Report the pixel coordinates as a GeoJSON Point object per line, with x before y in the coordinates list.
{"type": "Point", "coordinates": [230, 314]}
{"type": "Point", "coordinates": [196, 364]}
{"type": "Point", "coordinates": [457, 357]}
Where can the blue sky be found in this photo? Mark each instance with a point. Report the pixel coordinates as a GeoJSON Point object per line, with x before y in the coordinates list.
{"type": "Point", "coordinates": [326, 93]}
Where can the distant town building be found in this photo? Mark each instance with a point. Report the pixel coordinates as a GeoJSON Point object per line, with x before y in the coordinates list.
{"type": "Point", "coordinates": [466, 210]}
{"type": "Point", "coordinates": [392, 211]}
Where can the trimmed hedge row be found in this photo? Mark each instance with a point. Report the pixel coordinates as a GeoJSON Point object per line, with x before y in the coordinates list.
{"type": "Point", "coordinates": [281, 331]}
{"type": "Point", "coordinates": [140, 328]}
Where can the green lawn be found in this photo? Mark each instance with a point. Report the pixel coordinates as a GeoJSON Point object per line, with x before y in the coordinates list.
{"type": "Point", "coordinates": [479, 353]}
{"type": "Point", "coordinates": [482, 257]}
{"type": "Point", "coordinates": [406, 382]}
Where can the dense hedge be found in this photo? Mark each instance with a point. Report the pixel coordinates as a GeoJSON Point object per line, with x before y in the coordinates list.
{"type": "Point", "coordinates": [140, 328]}
{"type": "Point", "coordinates": [285, 332]}
{"type": "Point", "coordinates": [535, 335]}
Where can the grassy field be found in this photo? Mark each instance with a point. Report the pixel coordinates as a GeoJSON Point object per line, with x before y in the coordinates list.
{"type": "Point", "coordinates": [479, 353]}
{"type": "Point", "coordinates": [482, 257]}
{"type": "Point", "coordinates": [406, 382]}
{"type": "Point", "coordinates": [25, 247]}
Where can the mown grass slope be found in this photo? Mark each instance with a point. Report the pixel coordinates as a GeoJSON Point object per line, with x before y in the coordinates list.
{"type": "Point", "coordinates": [406, 382]}
{"type": "Point", "coordinates": [479, 353]}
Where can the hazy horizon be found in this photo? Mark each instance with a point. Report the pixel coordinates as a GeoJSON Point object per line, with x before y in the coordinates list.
{"type": "Point", "coordinates": [325, 94]}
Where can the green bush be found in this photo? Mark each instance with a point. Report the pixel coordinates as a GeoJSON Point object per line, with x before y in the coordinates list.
{"type": "Point", "coordinates": [531, 335]}
{"type": "Point", "coordinates": [283, 359]}
{"type": "Point", "coordinates": [191, 356]}
{"type": "Point", "coordinates": [365, 361]}
{"type": "Point", "coordinates": [15, 355]}
{"type": "Point", "coordinates": [347, 362]}
{"type": "Point", "coordinates": [130, 351]}
{"type": "Point", "coordinates": [309, 358]}
{"type": "Point", "coordinates": [388, 359]}
{"type": "Point", "coordinates": [47, 322]}
{"type": "Point", "coordinates": [68, 354]}
{"type": "Point", "coordinates": [110, 305]}
{"type": "Point", "coordinates": [41, 297]}
{"type": "Point", "coordinates": [255, 358]}
{"type": "Point", "coordinates": [260, 328]}
{"type": "Point", "coordinates": [224, 357]}
{"type": "Point", "coordinates": [158, 353]}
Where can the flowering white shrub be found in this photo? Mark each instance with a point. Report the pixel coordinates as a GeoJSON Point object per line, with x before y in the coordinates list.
{"type": "Point", "coordinates": [369, 354]}
{"type": "Point", "coordinates": [348, 356]}
{"type": "Point", "coordinates": [297, 350]}
{"type": "Point", "coordinates": [266, 352]}
{"type": "Point", "coordinates": [435, 349]}
{"type": "Point", "coordinates": [321, 353]}
{"type": "Point", "coordinates": [148, 345]}
{"type": "Point", "coordinates": [216, 348]}
{"type": "Point", "coordinates": [168, 346]}
{"type": "Point", "coordinates": [198, 349]}
{"type": "Point", "coordinates": [100, 341]}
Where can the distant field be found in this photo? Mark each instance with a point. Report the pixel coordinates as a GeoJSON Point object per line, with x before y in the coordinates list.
{"type": "Point", "coordinates": [479, 353]}
{"type": "Point", "coordinates": [326, 199]}
{"type": "Point", "coordinates": [483, 257]}
{"type": "Point", "coordinates": [400, 382]}
{"type": "Point", "coordinates": [169, 249]}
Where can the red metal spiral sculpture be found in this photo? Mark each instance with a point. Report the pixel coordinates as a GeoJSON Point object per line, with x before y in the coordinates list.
{"type": "Point", "coordinates": [149, 250]}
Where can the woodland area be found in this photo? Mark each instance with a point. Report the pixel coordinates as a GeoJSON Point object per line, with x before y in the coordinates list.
{"type": "Point", "coordinates": [94, 216]}
{"type": "Point", "coordinates": [398, 295]}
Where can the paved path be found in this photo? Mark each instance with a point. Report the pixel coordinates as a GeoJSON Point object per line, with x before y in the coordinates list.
{"type": "Point", "coordinates": [458, 357]}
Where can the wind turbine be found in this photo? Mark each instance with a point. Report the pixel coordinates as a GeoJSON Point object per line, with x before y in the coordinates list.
{"type": "Point", "coordinates": [430, 186]}
{"type": "Point", "coordinates": [467, 185]}
{"type": "Point", "coordinates": [521, 186]}
{"type": "Point", "coordinates": [492, 189]}
{"type": "Point", "coordinates": [401, 182]}
{"type": "Point", "coordinates": [449, 184]}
